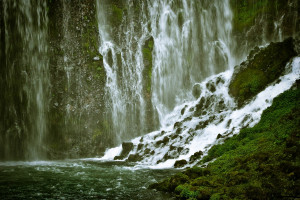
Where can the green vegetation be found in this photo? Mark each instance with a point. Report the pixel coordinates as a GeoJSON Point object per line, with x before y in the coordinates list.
{"type": "Point", "coordinates": [257, 72]}
{"type": "Point", "coordinates": [260, 163]}
{"type": "Point", "coordinates": [147, 54]}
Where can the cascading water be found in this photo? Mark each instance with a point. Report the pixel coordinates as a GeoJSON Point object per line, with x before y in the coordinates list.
{"type": "Point", "coordinates": [190, 39]}
{"type": "Point", "coordinates": [185, 52]}
{"type": "Point", "coordinates": [192, 128]}
{"type": "Point", "coordinates": [121, 48]}
{"type": "Point", "coordinates": [26, 79]}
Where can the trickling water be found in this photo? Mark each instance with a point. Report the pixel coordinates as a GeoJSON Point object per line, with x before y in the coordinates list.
{"type": "Point", "coordinates": [190, 40]}
{"type": "Point", "coordinates": [27, 79]}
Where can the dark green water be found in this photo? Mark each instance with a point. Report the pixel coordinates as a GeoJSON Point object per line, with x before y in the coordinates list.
{"type": "Point", "coordinates": [78, 179]}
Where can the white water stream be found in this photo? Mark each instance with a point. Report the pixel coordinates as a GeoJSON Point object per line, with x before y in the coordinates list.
{"type": "Point", "coordinates": [185, 131]}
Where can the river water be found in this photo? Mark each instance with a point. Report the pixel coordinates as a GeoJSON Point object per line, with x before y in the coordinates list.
{"type": "Point", "coordinates": [78, 179]}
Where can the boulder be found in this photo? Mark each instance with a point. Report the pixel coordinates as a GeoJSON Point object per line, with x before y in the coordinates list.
{"type": "Point", "coordinates": [126, 148]}
{"type": "Point", "coordinates": [219, 136]}
{"type": "Point", "coordinates": [134, 158]}
{"type": "Point", "coordinates": [180, 163]}
{"type": "Point", "coordinates": [211, 87]}
{"type": "Point", "coordinates": [262, 68]}
{"type": "Point", "coordinates": [196, 90]}
{"type": "Point", "coordinates": [196, 156]}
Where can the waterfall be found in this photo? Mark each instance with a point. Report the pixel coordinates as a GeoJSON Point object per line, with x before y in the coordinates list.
{"type": "Point", "coordinates": [192, 41]}
{"type": "Point", "coordinates": [194, 48]}
{"type": "Point", "coordinates": [182, 42]}
{"type": "Point", "coordinates": [26, 79]}
{"type": "Point", "coordinates": [121, 47]}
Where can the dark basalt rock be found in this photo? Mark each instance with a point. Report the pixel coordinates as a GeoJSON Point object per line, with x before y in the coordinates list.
{"type": "Point", "coordinates": [262, 68]}
{"type": "Point", "coordinates": [196, 91]}
{"type": "Point", "coordinates": [228, 123]}
{"type": "Point", "coordinates": [178, 131]}
{"type": "Point", "coordinates": [177, 124]}
{"type": "Point", "coordinates": [183, 110]}
{"type": "Point", "coordinates": [140, 146]}
{"type": "Point", "coordinates": [219, 136]}
{"type": "Point", "coordinates": [180, 163]}
{"type": "Point", "coordinates": [187, 119]}
{"type": "Point", "coordinates": [134, 158]}
{"type": "Point", "coordinates": [126, 148]}
{"type": "Point", "coordinates": [210, 86]}
{"type": "Point", "coordinates": [146, 151]}
{"type": "Point", "coordinates": [220, 81]}
{"type": "Point", "coordinates": [202, 125]}
{"type": "Point", "coordinates": [166, 140]}
{"type": "Point", "coordinates": [199, 107]}
{"type": "Point", "coordinates": [196, 156]}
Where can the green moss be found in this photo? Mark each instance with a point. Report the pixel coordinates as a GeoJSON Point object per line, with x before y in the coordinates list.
{"type": "Point", "coordinates": [259, 163]}
{"type": "Point", "coordinates": [246, 11]}
{"type": "Point", "coordinates": [261, 69]}
{"type": "Point", "coordinates": [147, 73]}
{"type": "Point", "coordinates": [117, 12]}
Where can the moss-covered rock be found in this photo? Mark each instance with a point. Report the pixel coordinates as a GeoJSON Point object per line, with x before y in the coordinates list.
{"type": "Point", "coordinates": [147, 72]}
{"type": "Point", "coordinates": [126, 148]}
{"type": "Point", "coordinates": [261, 69]}
{"type": "Point", "coordinates": [180, 163]}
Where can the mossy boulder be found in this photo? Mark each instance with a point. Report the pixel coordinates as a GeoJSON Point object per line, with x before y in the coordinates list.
{"type": "Point", "coordinates": [261, 69]}
{"type": "Point", "coordinates": [126, 148]}
{"type": "Point", "coordinates": [134, 158]}
{"type": "Point", "coordinates": [196, 90]}
{"type": "Point", "coordinates": [180, 163]}
{"type": "Point", "coordinates": [196, 156]}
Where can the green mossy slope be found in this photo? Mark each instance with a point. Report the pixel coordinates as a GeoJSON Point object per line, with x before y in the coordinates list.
{"type": "Point", "coordinates": [260, 163]}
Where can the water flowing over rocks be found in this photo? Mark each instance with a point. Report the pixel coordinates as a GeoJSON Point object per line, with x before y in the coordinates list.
{"type": "Point", "coordinates": [192, 128]}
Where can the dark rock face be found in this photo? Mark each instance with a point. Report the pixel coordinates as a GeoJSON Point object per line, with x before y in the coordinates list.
{"type": "Point", "coordinates": [180, 163]}
{"type": "Point", "coordinates": [126, 148]}
{"type": "Point", "coordinates": [252, 76]}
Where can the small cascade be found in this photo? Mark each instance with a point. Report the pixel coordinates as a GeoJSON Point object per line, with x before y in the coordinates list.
{"type": "Point", "coordinates": [26, 75]}
{"type": "Point", "coordinates": [193, 127]}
